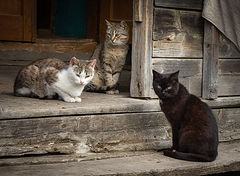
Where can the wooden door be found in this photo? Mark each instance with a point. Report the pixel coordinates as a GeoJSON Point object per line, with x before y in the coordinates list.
{"type": "Point", "coordinates": [18, 20]}
{"type": "Point", "coordinates": [115, 11]}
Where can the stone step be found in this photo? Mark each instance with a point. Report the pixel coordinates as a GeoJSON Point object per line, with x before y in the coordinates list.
{"type": "Point", "coordinates": [131, 163]}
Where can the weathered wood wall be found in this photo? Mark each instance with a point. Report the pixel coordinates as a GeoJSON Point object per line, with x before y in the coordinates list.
{"type": "Point", "coordinates": [178, 44]}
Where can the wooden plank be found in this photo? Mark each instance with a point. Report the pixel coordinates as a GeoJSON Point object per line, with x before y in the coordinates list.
{"type": "Point", "coordinates": [228, 85]}
{"type": "Point", "coordinates": [210, 62]}
{"type": "Point", "coordinates": [99, 133]}
{"type": "Point", "coordinates": [29, 20]}
{"type": "Point", "coordinates": [229, 77]}
{"type": "Point", "coordinates": [138, 10]}
{"type": "Point", "coordinates": [228, 123]}
{"type": "Point", "coordinates": [227, 49]}
{"type": "Point", "coordinates": [142, 53]}
{"type": "Point", "coordinates": [81, 134]}
{"type": "Point", "coordinates": [229, 66]}
{"type": "Point", "coordinates": [180, 4]}
{"type": "Point", "coordinates": [177, 33]}
{"type": "Point", "coordinates": [190, 71]}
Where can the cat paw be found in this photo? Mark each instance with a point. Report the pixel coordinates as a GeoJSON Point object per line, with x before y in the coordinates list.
{"type": "Point", "coordinates": [69, 99]}
{"type": "Point", "coordinates": [112, 92]}
{"type": "Point", "coordinates": [78, 99]}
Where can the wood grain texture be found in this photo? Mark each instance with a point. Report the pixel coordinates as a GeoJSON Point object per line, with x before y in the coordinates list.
{"type": "Point", "coordinates": [99, 133]}
{"type": "Point", "coordinates": [228, 85]}
{"type": "Point", "coordinates": [180, 4]}
{"type": "Point", "coordinates": [227, 49]}
{"type": "Point", "coordinates": [142, 53]}
{"type": "Point", "coordinates": [138, 11]}
{"type": "Point", "coordinates": [210, 62]}
{"type": "Point", "coordinates": [18, 20]}
{"type": "Point", "coordinates": [190, 71]}
{"type": "Point", "coordinates": [81, 134]}
{"type": "Point", "coordinates": [177, 33]}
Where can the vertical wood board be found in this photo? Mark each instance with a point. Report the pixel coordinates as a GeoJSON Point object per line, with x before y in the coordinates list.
{"type": "Point", "coordinates": [210, 61]}
{"type": "Point", "coordinates": [141, 77]}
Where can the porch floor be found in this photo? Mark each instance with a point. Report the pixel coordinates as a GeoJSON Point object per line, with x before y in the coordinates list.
{"type": "Point", "coordinates": [12, 107]}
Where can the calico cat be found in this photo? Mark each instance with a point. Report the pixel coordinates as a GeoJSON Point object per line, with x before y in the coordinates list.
{"type": "Point", "coordinates": [194, 127]}
{"type": "Point", "coordinates": [110, 56]}
{"type": "Point", "coordinates": [47, 78]}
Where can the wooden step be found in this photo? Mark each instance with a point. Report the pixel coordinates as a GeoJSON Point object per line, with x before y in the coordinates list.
{"type": "Point", "coordinates": [100, 123]}
{"type": "Point", "coordinates": [125, 163]}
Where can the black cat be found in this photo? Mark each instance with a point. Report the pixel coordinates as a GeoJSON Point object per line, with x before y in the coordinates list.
{"type": "Point", "coordinates": [194, 127]}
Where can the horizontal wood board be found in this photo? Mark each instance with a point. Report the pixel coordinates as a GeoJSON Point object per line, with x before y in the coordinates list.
{"type": "Point", "coordinates": [99, 133]}
{"type": "Point", "coordinates": [190, 71]}
{"type": "Point", "coordinates": [179, 33]}
{"type": "Point", "coordinates": [74, 134]}
{"type": "Point", "coordinates": [180, 4]}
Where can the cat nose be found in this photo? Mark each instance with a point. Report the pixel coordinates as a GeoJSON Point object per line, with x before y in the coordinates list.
{"type": "Point", "coordinates": [113, 38]}
{"type": "Point", "coordinates": [81, 82]}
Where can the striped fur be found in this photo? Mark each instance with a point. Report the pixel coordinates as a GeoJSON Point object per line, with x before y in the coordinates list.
{"type": "Point", "coordinates": [110, 56]}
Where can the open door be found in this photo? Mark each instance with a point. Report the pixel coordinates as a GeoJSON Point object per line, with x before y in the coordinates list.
{"type": "Point", "coordinates": [18, 20]}
{"type": "Point", "coordinates": [115, 11]}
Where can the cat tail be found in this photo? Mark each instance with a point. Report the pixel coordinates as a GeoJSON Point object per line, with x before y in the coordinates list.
{"type": "Point", "coordinates": [189, 156]}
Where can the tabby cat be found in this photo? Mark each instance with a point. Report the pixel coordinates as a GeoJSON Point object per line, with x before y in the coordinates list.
{"type": "Point", "coordinates": [47, 78]}
{"type": "Point", "coordinates": [194, 127]}
{"type": "Point", "coordinates": [111, 56]}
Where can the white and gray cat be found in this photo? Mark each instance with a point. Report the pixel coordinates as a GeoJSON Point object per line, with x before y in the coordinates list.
{"type": "Point", "coordinates": [47, 78]}
{"type": "Point", "coordinates": [110, 56]}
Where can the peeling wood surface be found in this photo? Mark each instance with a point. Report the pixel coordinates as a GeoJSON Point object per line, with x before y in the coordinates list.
{"type": "Point", "coordinates": [177, 33]}
{"type": "Point", "coordinates": [141, 53]}
{"type": "Point", "coordinates": [183, 4]}
{"type": "Point", "coordinates": [99, 133]}
{"type": "Point", "coordinates": [81, 134]}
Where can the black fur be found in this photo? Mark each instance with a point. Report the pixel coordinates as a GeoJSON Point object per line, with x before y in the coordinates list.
{"type": "Point", "coordinates": [194, 127]}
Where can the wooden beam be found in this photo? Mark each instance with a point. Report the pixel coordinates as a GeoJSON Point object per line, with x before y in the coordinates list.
{"type": "Point", "coordinates": [141, 76]}
{"type": "Point", "coordinates": [138, 10]}
{"type": "Point", "coordinates": [183, 4]}
{"type": "Point", "coordinates": [210, 61]}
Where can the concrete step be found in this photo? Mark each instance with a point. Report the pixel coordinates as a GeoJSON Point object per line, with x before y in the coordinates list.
{"type": "Point", "coordinates": [130, 163]}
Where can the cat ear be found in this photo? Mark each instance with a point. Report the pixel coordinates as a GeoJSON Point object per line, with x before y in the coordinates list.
{"type": "Point", "coordinates": [108, 23]}
{"type": "Point", "coordinates": [123, 24]}
{"type": "Point", "coordinates": [73, 61]}
{"type": "Point", "coordinates": [156, 74]}
{"type": "Point", "coordinates": [93, 63]}
{"type": "Point", "coordinates": [174, 76]}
